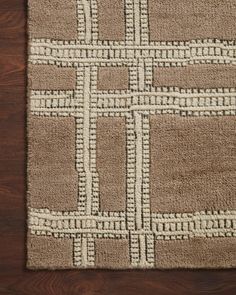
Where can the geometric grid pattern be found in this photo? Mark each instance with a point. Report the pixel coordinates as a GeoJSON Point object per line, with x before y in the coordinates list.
{"type": "Point", "coordinates": [86, 103]}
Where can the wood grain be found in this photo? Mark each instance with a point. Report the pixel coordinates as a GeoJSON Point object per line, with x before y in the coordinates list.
{"type": "Point", "coordinates": [14, 278]}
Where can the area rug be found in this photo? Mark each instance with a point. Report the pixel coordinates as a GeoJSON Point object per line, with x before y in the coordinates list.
{"type": "Point", "coordinates": [131, 134]}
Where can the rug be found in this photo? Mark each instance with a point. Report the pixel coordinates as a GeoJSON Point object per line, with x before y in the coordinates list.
{"type": "Point", "coordinates": [131, 134]}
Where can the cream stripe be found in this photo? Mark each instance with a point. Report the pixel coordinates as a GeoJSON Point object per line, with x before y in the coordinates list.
{"type": "Point", "coordinates": [165, 226]}
{"type": "Point", "coordinates": [138, 180]}
{"type": "Point", "coordinates": [141, 74]}
{"type": "Point", "coordinates": [93, 150]}
{"type": "Point", "coordinates": [180, 112]}
{"type": "Point", "coordinates": [173, 107]}
{"type": "Point", "coordinates": [142, 247]}
{"type": "Point", "coordinates": [221, 111]}
{"type": "Point", "coordinates": [116, 216]}
{"type": "Point", "coordinates": [215, 46]}
{"type": "Point", "coordinates": [227, 231]}
{"type": "Point", "coordinates": [80, 166]}
{"type": "Point", "coordinates": [183, 111]}
{"type": "Point", "coordinates": [88, 25]}
{"type": "Point", "coordinates": [213, 93]}
{"type": "Point", "coordinates": [57, 94]}
{"type": "Point", "coordinates": [84, 252]}
{"type": "Point", "coordinates": [80, 21]}
{"type": "Point", "coordinates": [146, 250]}
{"type": "Point", "coordinates": [185, 52]}
{"type": "Point", "coordinates": [129, 14]}
{"type": "Point", "coordinates": [150, 249]}
{"type": "Point", "coordinates": [58, 233]}
{"type": "Point", "coordinates": [94, 20]}
{"type": "Point", "coordinates": [170, 92]}
{"type": "Point", "coordinates": [144, 21]}
{"type": "Point", "coordinates": [157, 61]}
{"type": "Point", "coordinates": [79, 96]}
{"type": "Point", "coordinates": [86, 139]}
{"type": "Point", "coordinates": [90, 251]}
{"type": "Point", "coordinates": [77, 251]}
{"type": "Point", "coordinates": [57, 216]}
{"type": "Point", "coordinates": [134, 249]}
{"type": "Point", "coordinates": [145, 171]}
{"type": "Point", "coordinates": [137, 27]}
{"type": "Point", "coordinates": [130, 131]}
{"type": "Point", "coordinates": [129, 62]}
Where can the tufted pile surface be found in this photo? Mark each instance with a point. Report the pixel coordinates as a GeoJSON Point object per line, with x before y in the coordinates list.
{"type": "Point", "coordinates": [131, 134]}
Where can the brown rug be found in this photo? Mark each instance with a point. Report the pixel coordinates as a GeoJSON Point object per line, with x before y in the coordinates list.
{"type": "Point", "coordinates": [132, 134]}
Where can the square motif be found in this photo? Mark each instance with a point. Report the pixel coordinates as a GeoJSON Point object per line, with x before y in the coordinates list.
{"type": "Point", "coordinates": [131, 134]}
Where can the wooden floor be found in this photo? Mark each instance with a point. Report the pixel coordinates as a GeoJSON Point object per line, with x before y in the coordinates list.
{"type": "Point", "coordinates": [14, 278]}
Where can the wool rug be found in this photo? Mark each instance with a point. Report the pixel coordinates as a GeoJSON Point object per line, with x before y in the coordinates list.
{"type": "Point", "coordinates": [131, 134]}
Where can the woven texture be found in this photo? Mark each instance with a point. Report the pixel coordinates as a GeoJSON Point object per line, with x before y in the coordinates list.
{"type": "Point", "coordinates": [132, 134]}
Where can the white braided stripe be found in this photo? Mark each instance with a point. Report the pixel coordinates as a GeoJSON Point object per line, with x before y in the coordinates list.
{"type": "Point", "coordinates": [196, 102]}
{"type": "Point", "coordinates": [86, 104]}
{"type": "Point", "coordinates": [73, 53]}
{"type": "Point", "coordinates": [108, 224]}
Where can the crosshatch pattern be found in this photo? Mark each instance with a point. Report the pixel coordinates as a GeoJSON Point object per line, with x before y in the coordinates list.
{"type": "Point", "coordinates": [111, 97]}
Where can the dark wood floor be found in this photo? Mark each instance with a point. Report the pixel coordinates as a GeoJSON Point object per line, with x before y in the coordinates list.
{"type": "Point", "coordinates": [14, 278]}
